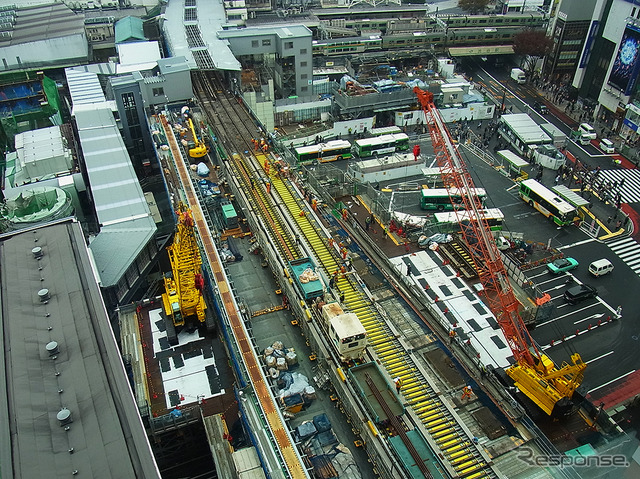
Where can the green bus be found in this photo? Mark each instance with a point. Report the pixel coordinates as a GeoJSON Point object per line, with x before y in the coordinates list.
{"type": "Point", "coordinates": [547, 202]}
{"type": "Point", "coordinates": [380, 145]}
{"type": "Point", "coordinates": [447, 199]}
{"type": "Point", "coordinates": [323, 152]}
{"type": "Point", "coordinates": [449, 221]}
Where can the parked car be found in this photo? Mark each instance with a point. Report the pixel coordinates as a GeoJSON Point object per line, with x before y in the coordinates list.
{"type": "Point", "coordinates": [562, 265]}
{"type": "Point", "coordinates": [579, 293]}
{"type": "Point", "coordinates": [540, 108]}
{"type": "Point", "coordinates": [607, 146]}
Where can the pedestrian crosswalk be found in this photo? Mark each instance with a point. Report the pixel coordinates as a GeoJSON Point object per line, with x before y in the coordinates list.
{"type": "Point", "coordinates": [628, 250]}
{"type": "Point", "coordinates": [630, 191]}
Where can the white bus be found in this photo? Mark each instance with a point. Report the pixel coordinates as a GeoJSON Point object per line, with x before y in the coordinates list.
{"type": "Point", "coordinates": [547, 202]}
{"type": "Point", "coordinates": [380, 145]}
{"type": "Point", "coordinates": [449, 221]}
{"type": "Point", "coordinates": [385, 130]}
{"type": "Point", "coordinates": [323, 152]}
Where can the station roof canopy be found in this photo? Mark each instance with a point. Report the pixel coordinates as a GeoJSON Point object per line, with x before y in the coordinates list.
{"type": "Point", "coordinates": [481, 50]}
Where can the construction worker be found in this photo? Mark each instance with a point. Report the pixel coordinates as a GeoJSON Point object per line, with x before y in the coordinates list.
{"type": "Point", "coordinates": [398, 382]}
{"type": "Point", "coordinates": [452, 335]}
{"type": "Point", "coordinates": [466, 392]}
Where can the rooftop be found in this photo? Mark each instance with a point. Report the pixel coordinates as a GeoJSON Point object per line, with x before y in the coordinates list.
{"type": "Point", "coordinates": [67, 405]}
{"type": "Point", "coordinates": [129, 29]}
{"type": "Point", "coordinates": [42, 22]}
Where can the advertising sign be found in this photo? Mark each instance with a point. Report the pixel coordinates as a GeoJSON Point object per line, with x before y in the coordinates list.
{"type": "Point", "coordinates": [625, 67]}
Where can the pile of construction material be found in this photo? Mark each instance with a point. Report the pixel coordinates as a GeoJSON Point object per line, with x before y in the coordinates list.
{"type": "Point", "coordinates": [278, 358]}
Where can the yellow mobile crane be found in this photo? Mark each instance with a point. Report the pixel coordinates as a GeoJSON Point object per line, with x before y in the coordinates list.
{"type": "Point", "coordinates": [183, 297]}
{"type": "Point", "coordinates": [200, 149]}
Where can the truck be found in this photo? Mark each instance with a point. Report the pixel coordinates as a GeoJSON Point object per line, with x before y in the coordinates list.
{"type": "Point", "coordinates": [304, 275]}
{"type": "Point", "coordinates": [558, 137]}
{"type": "Point", "coordinates": [346, 333]}
{"type": "Point", "coordinates": [580, 137]}
{"type": "Point", "coordinates": [518, 75]}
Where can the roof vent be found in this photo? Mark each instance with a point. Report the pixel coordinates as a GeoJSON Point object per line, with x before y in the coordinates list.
{"type": "Point", "coordinates": [52, 348]}
{"type": "Point", "coordinates": [64, 416]}
{"type": "Point", "coordinates": [37, 252]}
{"type": "Point", "coordinates": [44, 295]}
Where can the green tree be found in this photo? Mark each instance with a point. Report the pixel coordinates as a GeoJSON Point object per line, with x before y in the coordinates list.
{"type": "Point", "coordinates": [533, 45]}
{"type": "Point", "coordinates": [473, 6]}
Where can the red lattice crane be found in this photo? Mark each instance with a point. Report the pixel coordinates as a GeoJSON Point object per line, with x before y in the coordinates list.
{"type": "Point", "coordinates": [533, 373]}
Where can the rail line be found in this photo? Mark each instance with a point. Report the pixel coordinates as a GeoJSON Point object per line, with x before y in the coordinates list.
{"type": "Point", "coordinates": [452, 440]}
{"type": "Point", "coordinates": [279, 430]}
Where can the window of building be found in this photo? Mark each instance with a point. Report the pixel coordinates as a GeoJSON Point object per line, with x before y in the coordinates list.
{"type": "Point", "coordinates": [158, 91]}
{"type": "Point", "coordinates": [254, 43]}
{"type": "Point", "coordinates": [266, 43]}
{"type": "Point", "coordinates": [288, 45]}
{"type": "Point", "coordinates": [303, 51]}
{"type": "Point", "coordinates": [304, 88]}
{"type": "Point", "coordinates": [303, 64]}
{"type": "Point", "coordinates": [304, 76]}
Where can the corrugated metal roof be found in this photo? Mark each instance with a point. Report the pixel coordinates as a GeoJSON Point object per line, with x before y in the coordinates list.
{"type": "Point", "coordinates": [106, 437]}
{"type": "Point", "coordinates": [197, 40]}
{"type": "Point", "coordinates": [129, 29]}
{"type": "Point", "coordinates": [119, 200]}
{"type": "Point", "coordinates": [120, 205]}
{"type": "Point", "coordinates": [44, 22]}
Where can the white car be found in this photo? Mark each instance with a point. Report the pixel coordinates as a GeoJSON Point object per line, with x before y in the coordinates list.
{"type": "Point", "coordinates": [587, 131]}
{"type": "Point", "coordinates": [607, 146]}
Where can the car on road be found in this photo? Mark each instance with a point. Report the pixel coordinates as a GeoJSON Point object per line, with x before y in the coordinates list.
{"type": "Point", "coordinates": [607, 146]}
{"type": "Point", "coordinates": [588, 131]}
{"type": "Point", "coordinates": [580, 292]}
{"type": "Point", "coordinates": [562, 265]}
{"type": "Point", "coordinates": [540, 108]}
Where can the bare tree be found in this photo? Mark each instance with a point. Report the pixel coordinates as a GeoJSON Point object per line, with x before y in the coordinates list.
{"type": "Point", "coordinates": [473, 6]}
{"type": "Point", "coordinates": [533, 45]}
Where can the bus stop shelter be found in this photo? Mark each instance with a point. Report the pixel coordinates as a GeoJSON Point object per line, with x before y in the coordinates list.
{"type": "Point", "coordinates": [572, 198]}
{"type": "Point", "coordinates": [512, 164]}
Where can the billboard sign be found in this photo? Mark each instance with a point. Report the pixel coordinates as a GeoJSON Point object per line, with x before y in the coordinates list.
{"type": "Point", "coordinates": [625, 66]}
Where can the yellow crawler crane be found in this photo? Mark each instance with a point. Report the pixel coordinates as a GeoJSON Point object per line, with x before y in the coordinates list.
{"type": "Point", "coordinates": [183, 297]}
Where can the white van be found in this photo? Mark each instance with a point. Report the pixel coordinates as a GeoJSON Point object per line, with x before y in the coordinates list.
{"type": "Point", "coordinates": [607, 146]}
{"type": "Point", "coordinates": [600, 267]}
{"type": "Point", "coordinates": [588, 131]}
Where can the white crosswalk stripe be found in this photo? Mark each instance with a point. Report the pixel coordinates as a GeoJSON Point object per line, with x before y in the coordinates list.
{"type": "Point", "coordinates": [630, 191]}
{"type": "Point", "coordinates": [628, 250]}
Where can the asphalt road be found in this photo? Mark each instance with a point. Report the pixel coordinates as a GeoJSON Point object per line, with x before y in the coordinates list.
{"type": "Point", "coordinates": [611, 349]}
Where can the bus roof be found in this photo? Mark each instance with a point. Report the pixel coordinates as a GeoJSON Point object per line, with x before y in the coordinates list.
{"type": "Point", "coordinates": [329, 145]}
{"type": "Point", "coordinates": [385, 130]}
{"type": "Point", "coordinates": [381, 140]}
{"type": "Point", "coordinates": [431, 192]}
{"type": "Point", "coordinates": [462, 215]}
{"type": "Point", "coordinates": [548, 195]}
{"type": "Point", "coordinates": [512, 158]}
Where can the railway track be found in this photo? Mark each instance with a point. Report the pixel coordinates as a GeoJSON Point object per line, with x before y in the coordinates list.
{"type": "Point", "coordinates": [282, 201]}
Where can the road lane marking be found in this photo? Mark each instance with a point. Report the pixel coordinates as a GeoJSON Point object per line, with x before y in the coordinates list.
{"type": "Point", "coordinates": [609, 382]}
{"type": "Point", "coordinates": [599, 357]}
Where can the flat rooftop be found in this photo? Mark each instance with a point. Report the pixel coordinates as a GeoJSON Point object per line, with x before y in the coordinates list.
{"type": "Point", "coordinates": [66, 400]}
{"type": "Point", "coordinates": [43, 22]}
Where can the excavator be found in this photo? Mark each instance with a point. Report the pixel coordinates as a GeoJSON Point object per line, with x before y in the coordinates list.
{"type": "Point", "coordinates": [199, 149]}
{"type": "Point", "coordinates": [550, 387]}
{"type": "Point", "coordinates": [183, 299]}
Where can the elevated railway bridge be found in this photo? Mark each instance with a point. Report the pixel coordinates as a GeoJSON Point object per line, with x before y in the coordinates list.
{"type": "Point", "coordinates": [287, 227]}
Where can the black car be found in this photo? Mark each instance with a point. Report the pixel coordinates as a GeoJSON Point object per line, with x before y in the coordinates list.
{"type": "Point", "coordinates": [540, 108]}
{"type": "Point", "coordinates": [580, 292]}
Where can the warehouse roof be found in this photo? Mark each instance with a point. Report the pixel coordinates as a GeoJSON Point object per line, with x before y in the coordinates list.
{"type": "Point", "coordinates": [44, 22]}
{"type": "Point", "coordinates": [65, 400]}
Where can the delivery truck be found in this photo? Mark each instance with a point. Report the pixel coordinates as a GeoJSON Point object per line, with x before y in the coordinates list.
{"type": "Point", "coordinates": [518, 75]}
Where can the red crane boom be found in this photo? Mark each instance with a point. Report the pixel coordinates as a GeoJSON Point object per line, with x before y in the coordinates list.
{"type": "Point", "coordinates": [534, 373]}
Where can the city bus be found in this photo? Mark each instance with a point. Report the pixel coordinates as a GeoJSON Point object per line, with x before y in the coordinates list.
{"type": "Point", "coordinates": [443, 199]}
{"type": "Point", "coordinates": [323, 152]}
{"type": "Point", "coordinates": [385, 130]}
{"type": "Point", "coordinates": [547, 202]}
{"type": "Point", "coordinates": [380, 145]}
{"type": "Point", "coordinates": [448, 222]}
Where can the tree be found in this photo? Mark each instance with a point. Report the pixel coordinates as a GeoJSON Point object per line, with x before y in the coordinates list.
{"type": "Point", "coordinates": [533, 45]}
{"type": "Point", "coordinates": [473, 6]}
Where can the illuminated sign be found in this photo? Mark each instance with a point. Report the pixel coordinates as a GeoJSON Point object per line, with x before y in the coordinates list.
{"type": "Point", "coordinates": [625, 67]}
